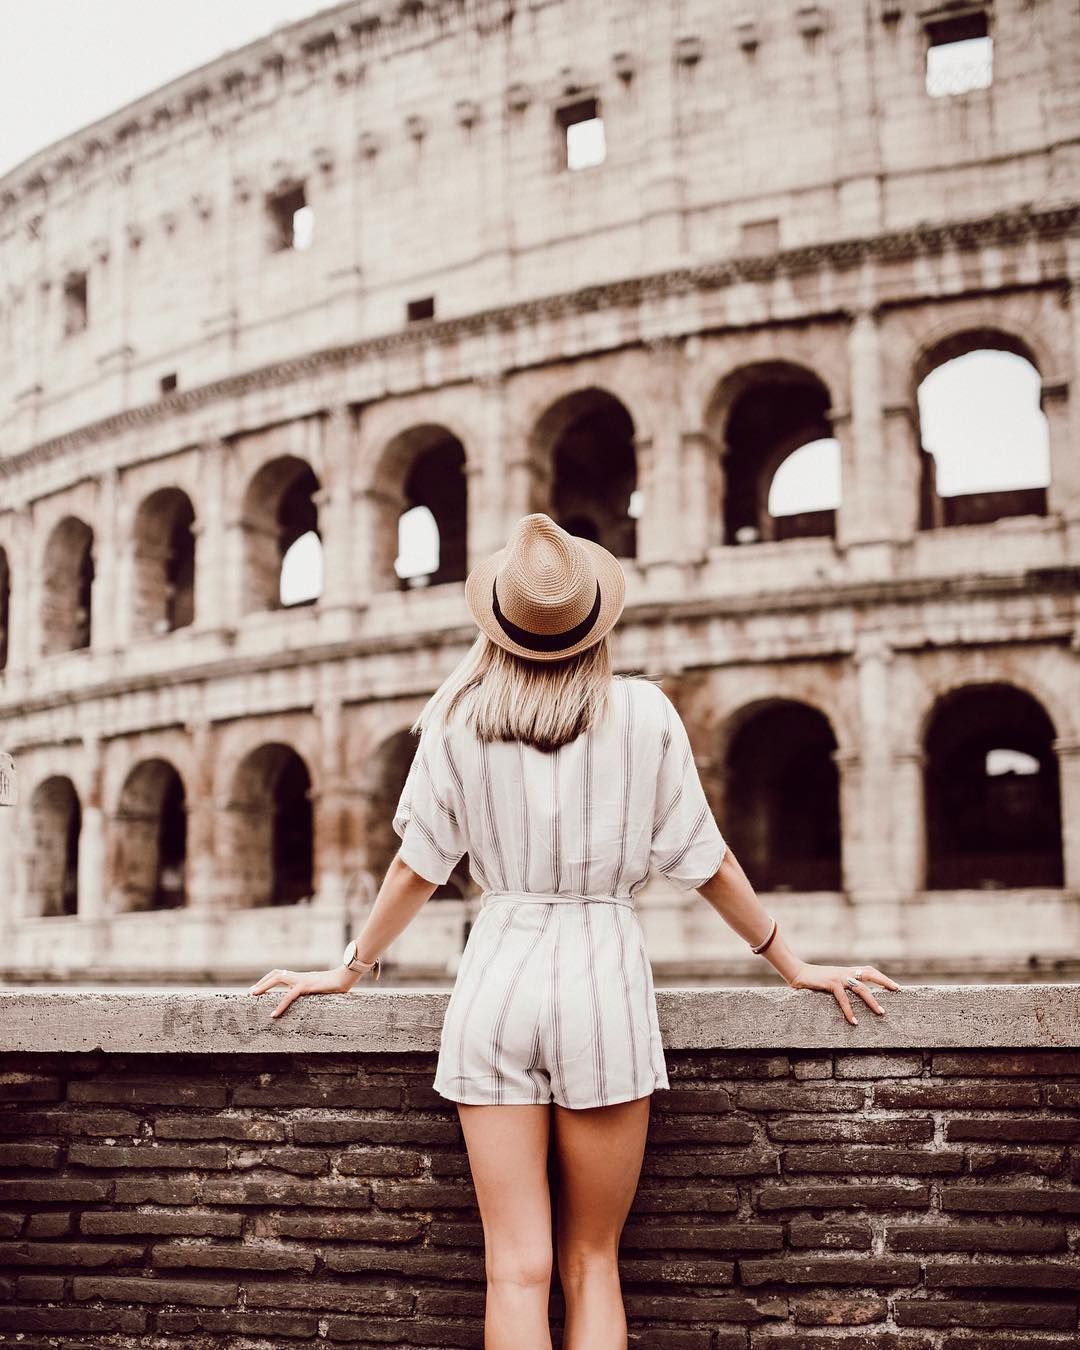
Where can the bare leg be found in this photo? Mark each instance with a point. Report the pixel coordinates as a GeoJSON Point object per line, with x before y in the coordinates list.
{"type": "Point", "coordinates": [600, 1150]}
{"type": "Point", "coordinates": [508, 1148]}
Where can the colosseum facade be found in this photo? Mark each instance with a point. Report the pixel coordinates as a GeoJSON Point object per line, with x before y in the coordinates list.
{"type": "Point", "coordinates": [352, 271]}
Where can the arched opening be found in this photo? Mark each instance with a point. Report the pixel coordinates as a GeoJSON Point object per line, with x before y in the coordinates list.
{"type": "Point", "coordinates": [271, 827]}
{"type": "Point", "coordinates": [164, 573]}
{"type": "Point", "coordinates": [68, 577]}
{"type": "Point", "coordinates": [150, 839]}
{"type": "Point", "coordinates": [302, 571]}
{"type": "Point", "coordinates": [53, 871]}
{"type": "Point", "coordinates": [391, 768]}
{"type": "Point", "coordinates": [985, 444]}
{"type": "Point", "coordinates": [782, 798]}
{"type": "Point", "coordinates": [992, 791]}
{"type": "Point", "coordinates": [279, 511]}
{"type": "Point", "coordinates": [588, 440]}
{"type": "Point", "coordinates": [421, 525]}
{"type": "Point", "coordinates": [418, 546]}
{"type": "Point", "coordinates": [805, 485]}
{"type": "Point", "coordinates": [781, 463]}
{"type": "Point", "coordinates": [5, 607]}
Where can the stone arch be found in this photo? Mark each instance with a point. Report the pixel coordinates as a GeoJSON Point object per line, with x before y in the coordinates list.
{"type": "Point", "coordinates": [991, 790]}
{"type": "Point", "coordinates": [268, 827]}
{"type": "Point", "coordinates": [934, 362]}
{"type": "Point", "coordinates": [585, 442]}
{"type": "Point", "coordinates": [164, 563]}
{"type": "Point", "coordinates": [975, 674]}
{"type": "Point", "coordinates": [960, 333]}
{"type": "Point", "coordinates": [390, 767]}
{"type": "Point", "coordinates": [53, 852]}
{"type": "Point", "coordinates": [422, 468]}
{"type": "Point", "coordinates": [5, 607]}
{"type": "Point", "coordinates": [149, 839]}
{"type": "Point", "coordinates": [760, 414]}
{"type": "Point", "coordinates": [781, 795]}
{"type": "Point", "coordinates": [67, 587]}
{"type": "Point", "coordinates": [279, 509]}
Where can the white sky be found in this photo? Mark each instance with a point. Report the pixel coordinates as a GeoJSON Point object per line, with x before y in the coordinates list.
{"type": "Point", "coordinates": [66, 63]}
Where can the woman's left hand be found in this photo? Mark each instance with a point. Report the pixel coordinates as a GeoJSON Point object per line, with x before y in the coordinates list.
{"type": "Point", "coordinates": [338, 981]}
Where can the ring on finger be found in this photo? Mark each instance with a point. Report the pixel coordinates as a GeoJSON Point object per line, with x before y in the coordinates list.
{"type": "Point", "coordinates": [852, 981]}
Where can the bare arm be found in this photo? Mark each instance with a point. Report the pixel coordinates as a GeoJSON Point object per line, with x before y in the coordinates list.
{"type": "Point", "coordinates": [401, 896]}
{"type": "Point", "coordinates": [731, 895]}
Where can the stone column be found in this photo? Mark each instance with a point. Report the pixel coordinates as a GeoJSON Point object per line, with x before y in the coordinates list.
{"type": "Point", "coordinates": [494, 489]}
{"type": "Point", "coordinates": [122, 546]}
{"type": "Point", "coordinates": [901, 430]}
{"type": "Point", "coordinates": [329, 879]}
{"type": "Point", "coordinates": [850, 783]}
{"type": "Point", "coordinates": [111, 551]}
{"type": "Point", "coordinates": [679, 468]}
{"type": "Point", "coordinates": [873, 658]}
{"type": "Point", "coordinates": [24, 564]}
{"type": "Point", "coordinates": [334, 502]}
{"type": "Point", "coordinates": [375, 515]}
{"type": "Point", "coordinates": [92, 882]}
{"type": "Point", "coordinates": [1068, 754]}
{"type": "Point", "coordinates": [700, 524]}
{"type": "Point", "coordinates": [1063, 494]}
{"type": "Point", "coordinates": [1064, 449]}
{"type": "Point", "coordinates": [216, 591]}
{"type": "Point", "coordinates": [202, 840]}
{"type": "Point", "coordinates": [12, 887]}
{"type": "Point", "coordinates": [863, 518]}
{"type": "Point", "coordinates": [909, 820]}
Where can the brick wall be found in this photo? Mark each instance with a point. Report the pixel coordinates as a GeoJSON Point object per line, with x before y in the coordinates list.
{"type": "Point", "coordinates": [856, 1189]}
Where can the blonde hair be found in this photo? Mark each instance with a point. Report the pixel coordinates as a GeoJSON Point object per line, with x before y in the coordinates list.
{"type": "Point", "coordinates": [505, 697]}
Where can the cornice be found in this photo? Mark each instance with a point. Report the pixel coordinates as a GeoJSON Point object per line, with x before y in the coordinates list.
{"type": "Point", "coordinates": [924, 240]}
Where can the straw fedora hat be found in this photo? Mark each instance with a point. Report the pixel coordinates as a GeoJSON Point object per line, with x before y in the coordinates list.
{"type": "Point", "coordinates": [547, 594]}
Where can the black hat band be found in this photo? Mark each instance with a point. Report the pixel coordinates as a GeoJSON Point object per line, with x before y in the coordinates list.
{"type": "Point", "coordinates": [545, 642]}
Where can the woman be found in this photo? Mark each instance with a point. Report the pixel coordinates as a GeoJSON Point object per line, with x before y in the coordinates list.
{"type": "Point", "coordinates": [566, 785]}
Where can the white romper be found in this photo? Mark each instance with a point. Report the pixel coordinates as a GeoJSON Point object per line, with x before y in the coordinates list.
{"type": "Point", "coordinates": [554, 997]}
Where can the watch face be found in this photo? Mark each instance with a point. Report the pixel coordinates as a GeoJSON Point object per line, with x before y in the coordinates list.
{"type": "Point", "coordinates": [350, 953]}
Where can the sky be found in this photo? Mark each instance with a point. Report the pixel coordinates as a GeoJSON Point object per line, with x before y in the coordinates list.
{"type": "Point", "coordinates": [67, 63]}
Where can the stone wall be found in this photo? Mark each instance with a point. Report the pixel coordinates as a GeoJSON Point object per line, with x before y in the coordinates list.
{"type": "Point", "coordinates": [180, 1171]}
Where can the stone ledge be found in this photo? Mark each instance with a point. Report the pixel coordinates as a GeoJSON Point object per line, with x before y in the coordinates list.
{"type": "Point", "coordinates": [369, 1021]}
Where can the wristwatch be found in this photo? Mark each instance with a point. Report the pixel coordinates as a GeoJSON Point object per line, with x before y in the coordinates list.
{"type": "Point", "coordinates": [348, 958]}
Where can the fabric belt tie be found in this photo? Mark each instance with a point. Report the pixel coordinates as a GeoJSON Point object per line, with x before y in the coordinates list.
{"type": "Point", "coordinates": [489, 897]}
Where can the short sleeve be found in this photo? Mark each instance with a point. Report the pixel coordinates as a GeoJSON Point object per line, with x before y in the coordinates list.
{"type": "Point", "coordinates": [687, 846]}
{"type": "Point", "coordinates": [428, 818]}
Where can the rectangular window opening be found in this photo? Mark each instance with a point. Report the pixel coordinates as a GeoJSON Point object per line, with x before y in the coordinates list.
{"type": "Point", "coordinates": [292, 221]}
{"type": "Point", "coordinates": [582, 134]}
{"type": "Point", "coordinates": [76, 311]}
{"type": "Point", "coordinates": [760, 236]}
{"type": "Point", "coordinates": [959, 55]}
{"type": "Point", "coordinates": [420, 309]}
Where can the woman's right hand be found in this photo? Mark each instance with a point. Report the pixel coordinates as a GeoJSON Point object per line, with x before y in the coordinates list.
{"type": "Point", "coordinates": [832, 979]}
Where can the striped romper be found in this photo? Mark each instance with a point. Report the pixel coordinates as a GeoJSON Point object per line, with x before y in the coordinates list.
{"type": "Point", "coordinates": [554, 997]}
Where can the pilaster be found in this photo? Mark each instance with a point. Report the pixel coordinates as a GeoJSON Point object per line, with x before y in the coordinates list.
{"type": "Point", "coordinates": [1068, 754]}
{"type": "Point", "coordinates": [92, 882]}
{"type": "Point", "coordinates": [216, 585]}
{"type": "Point", "coordinates": [334, 503]}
